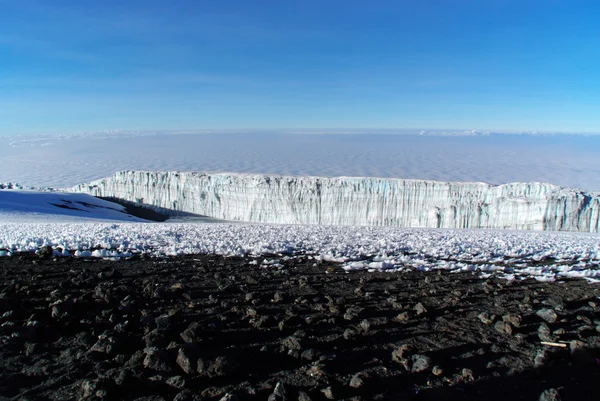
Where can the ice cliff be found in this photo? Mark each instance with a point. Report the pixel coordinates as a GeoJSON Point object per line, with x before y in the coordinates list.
{"type": "Point", "coordinates": [357, 200]}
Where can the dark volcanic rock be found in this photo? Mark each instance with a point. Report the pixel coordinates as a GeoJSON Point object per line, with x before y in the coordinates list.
{"type": "Point", "coordinates": [187, 359]}
{"type": "Point", "coordinates": [157, 359]}
{"type": "Point", "coordinates": [503, 328]}
{"type": "Point", "coordinates": [204, 327]}
{"type": "Point", "coordinates": [193, 333]}
{"type": "Point", "coordinates": [544, 333]}
{"type": "Point", "coordinates": [420, 363]}
{"type": "Point", "coordinates": [548, 315]}
{"type": "Point", "coordinates": [550, 395]}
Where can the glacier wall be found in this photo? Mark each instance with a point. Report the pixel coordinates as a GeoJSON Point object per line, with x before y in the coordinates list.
{"type": "Point", "coordinates": [357, 200]}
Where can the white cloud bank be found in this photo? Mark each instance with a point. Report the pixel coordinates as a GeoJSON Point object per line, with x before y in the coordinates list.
{"type": "Point", "coordinates": [63, 161]}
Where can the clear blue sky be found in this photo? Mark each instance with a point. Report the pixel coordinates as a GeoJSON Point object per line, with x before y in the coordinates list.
{"type": "Point", "coordinates": [77, 65]}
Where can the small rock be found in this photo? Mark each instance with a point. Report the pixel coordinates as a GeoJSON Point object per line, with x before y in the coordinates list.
{"type": "Point", "coordinates": [88, 388]}
{"type": "Point", "coordinates": [45, 252]}
{"type": "Point", "coordinates": [157, 338]}
{"type": "Point", "coordinates": [201, 366]}
{"type": "Point", "coordinates": [228, 397]}
{"type": "Point", "coordinates": [291, 343]}
{"type": "Point", "coordinates": [580, 353]}
{"type": "Point", "coordinates": [397, 305]}
{"type": "Point", "coordinates": [352, 312]}
{"type": "Point", "coordinates": [106, 345]}
{"type": "Point", "coordinates": [549, 315]}
{"type": "Point", "coordinates": [222, 366]}
{"type": "Point", "coordinates": [584, 319]}
{"type": "Point", "coordinates": [32, 348]}
{"type": "Point", "coordinates": [402, 317]}
{"type": "Point", "coordinates": [550, 395]}
{"type": "Point", "coordinates": [185, 395]}
{"type": "Point", "coordinates": [349, 334]}
{"type": "Point", "coordinates": [164, 321]}
{"type": "Point", "coordinates": [278, 393]}
{"type": "Point", "coordinates": [486, 318]}
{"type": "Point", "coordinates": [420, 309]}
{"type": "Point", "coordinates": [156, 359]}
{"type": "Point", "coordinates": [437, 371]}
{"type": "Point", "coordinates": [177, 382]}
{"type": "Point", "coordinates": [300, 333]}
{"type": "Point", "coordinates": [316, 370]}
{"type": "Point", "coordinates": [514, 320]}
{"type": "Point", "coordinates": [212, 392]}
{"type": "Point", "coordinates": [544, 332]}
{"type": "Point", "coordinates": [8, 315]}
{"type": "Point", "coordinates": [467, 375]}
{"type": "Point", "coordinates": [97, 388]}
{"type": "Point", "coordinates": [328, 393]}
{"type": "Point", "coordinates": [540, 358]}
{"type": "Point", "coordinates": [302, 396]}
{"type": "Point", "coordinates": [364, 325]}
{"type": "Point", "coordinates": [187, 360]}
{"type": "Point", "coordinates": [277, 297]}
{"type": "Point", "coordinates": [61, 309]}
{"type": "Point", "coordinates": [399, 354]}
{"type": "Point", "coordinates": [309, 355]}
{"type": "Point", "coordinates": [136, 360]}
{"type": "Point", "coordinates": [156, 380]}
{"type": "Point", "coordinates": [262, 321]}
{"type": "Point", "coordinates": [356, 381]}
{"type": "Point", "coordinates": [503, 328]}
{"type": "Point", "coordinates": [123, 377]}
{"type": "Point", "coordinates": [192, 334]}
{"type": "Point", "coordinates": [420, 363]}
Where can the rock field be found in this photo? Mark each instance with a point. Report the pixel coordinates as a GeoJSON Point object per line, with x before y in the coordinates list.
{"type": "Point", "coordinates": [205, 327]}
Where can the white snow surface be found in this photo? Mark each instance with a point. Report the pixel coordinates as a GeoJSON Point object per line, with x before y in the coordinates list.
{"type": "Point", "coordinates": [34, 206]}
{"type": "Point", "coordinates": [512, 255]}
{"type": "Point", "coordinates": [28, 223]}
{"type": "Point", "coordinates": [357, 201]}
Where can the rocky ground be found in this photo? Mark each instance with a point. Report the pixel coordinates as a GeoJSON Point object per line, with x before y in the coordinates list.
{"type": "Point", "coordinates": [211, 328]}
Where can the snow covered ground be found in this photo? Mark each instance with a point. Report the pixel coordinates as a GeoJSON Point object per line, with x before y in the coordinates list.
{"type": "Point", "coordinates": [68, 160]}
{"type": "Point", "coordinates": [28, 223]}
{"type": "Point", "coordinates": [20, 206]}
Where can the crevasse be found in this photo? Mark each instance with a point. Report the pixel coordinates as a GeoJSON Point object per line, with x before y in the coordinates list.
{"type": "Point", "coordinates": [357, 200]}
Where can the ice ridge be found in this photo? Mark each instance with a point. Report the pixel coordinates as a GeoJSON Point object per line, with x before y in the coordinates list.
{"type": "Point", "coordinates": [364, 201]}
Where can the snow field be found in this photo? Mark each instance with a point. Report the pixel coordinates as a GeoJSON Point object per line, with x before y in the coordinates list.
{"type": "Point", "coordinates": [509, 254]}
{"type": "Point", "coordinates": [19, 206]}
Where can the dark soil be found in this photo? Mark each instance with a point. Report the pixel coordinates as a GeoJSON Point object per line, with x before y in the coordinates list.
{"type": "Point", "coordinates": [212, 328]}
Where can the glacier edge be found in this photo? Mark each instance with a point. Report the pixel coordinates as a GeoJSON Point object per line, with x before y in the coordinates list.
{"type": "Point", "coordinates": [356, 200]}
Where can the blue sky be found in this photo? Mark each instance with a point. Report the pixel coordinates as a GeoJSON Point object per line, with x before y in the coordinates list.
{"type": "Point", "coordinates": [68, 65]}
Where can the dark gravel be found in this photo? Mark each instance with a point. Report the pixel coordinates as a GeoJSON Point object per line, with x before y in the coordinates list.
{"type": "Point", "coordinates": [211, 328]}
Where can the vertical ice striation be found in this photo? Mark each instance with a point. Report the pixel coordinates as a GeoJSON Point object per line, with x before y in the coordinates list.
{"type": "Point", "coordinates": [357, 200]}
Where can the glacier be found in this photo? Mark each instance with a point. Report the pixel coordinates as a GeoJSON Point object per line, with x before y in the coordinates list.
{"type": "Point", "coordinates": [360, 201]}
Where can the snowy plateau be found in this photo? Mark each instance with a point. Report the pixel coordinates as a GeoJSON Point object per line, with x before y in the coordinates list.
{"type": "Point", "coordinates": [360, 201]}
